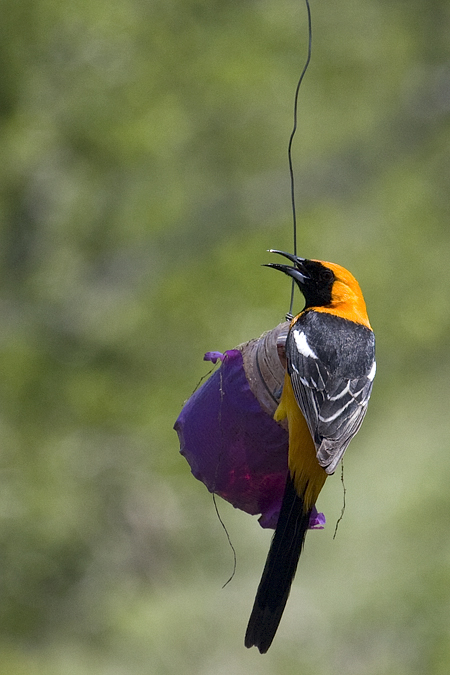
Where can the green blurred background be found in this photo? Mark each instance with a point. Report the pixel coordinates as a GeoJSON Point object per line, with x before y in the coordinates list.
{"type": "Point", "coordinates": [143, 176]}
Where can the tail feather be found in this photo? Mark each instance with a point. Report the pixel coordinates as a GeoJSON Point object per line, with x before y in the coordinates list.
{"type": "Point", "coordinates": [279, 571]}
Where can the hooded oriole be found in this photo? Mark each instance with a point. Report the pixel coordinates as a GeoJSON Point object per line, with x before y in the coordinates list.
{"type": "Point", "coordinates": [330, 366]}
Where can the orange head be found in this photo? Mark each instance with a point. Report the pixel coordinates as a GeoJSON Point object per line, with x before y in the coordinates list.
{"type": "Point", "coordinates": [326, 287]}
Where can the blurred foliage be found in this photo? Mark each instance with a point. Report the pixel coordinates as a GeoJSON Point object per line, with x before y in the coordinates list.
{"type": "Point", "coordinates": [143, 177]}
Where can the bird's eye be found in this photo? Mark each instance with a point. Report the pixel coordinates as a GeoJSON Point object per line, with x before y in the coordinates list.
{"type": "Point", "coordinates": [326, 275]}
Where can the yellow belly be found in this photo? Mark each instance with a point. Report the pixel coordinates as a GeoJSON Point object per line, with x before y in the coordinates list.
{"type": "Point", "coordinates": [308, 476]}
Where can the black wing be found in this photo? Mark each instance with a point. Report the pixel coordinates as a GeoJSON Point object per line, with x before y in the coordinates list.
{"type": "Point", "coordinates": [331, 363]}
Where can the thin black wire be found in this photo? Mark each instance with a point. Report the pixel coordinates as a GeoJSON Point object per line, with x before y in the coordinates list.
{"type": "Point", "coordinates": [291, 140]}
{"type": "Point", "coordinates": [222, 393]}
{"type": "Point", "coordinates": [344, 493]}
{"type": "Point", "coordinates": [294, 216]}
{"type": "Point", "coordinates": [229, 540]}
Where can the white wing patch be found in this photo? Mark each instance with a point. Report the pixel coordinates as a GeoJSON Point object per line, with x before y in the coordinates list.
{"type": "Point", "coordinates": [303, 346]}
{"type": "Point", "coordinates": [373, 370]}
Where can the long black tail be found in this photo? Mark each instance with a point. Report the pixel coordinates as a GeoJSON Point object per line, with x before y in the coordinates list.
{"type": "Point", "coordinates": [279, 571]}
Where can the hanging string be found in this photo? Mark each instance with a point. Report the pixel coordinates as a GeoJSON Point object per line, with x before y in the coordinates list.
{"type": "Point", "coordinates": [344, 493]}
{"type": "Point", "coordinates": [289, 315]}
{"type": "Point", "coordinates": [230, 543]}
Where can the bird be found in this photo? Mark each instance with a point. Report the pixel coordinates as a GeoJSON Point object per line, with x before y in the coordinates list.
{"type": "Point", "coordinates": [330, 368]}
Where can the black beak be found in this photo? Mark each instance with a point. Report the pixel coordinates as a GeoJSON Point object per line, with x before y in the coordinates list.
{"type": "Point", "coordinates": [297, 272]}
